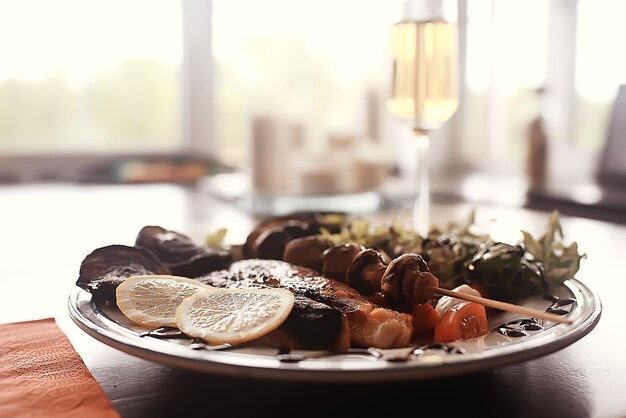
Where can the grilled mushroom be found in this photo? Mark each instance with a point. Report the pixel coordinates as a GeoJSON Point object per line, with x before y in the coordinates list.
{"type": "Point", "coordinates": [408, 279]}
{"type": "Point", "coordinates": [271, 243]}
{"type": "Point", "coordinates": [338, 258]}
{"type": "Point", "coordinates": [306, 252]}
{"type": "Point", "coordinates": [268, 239]}
{"type": "Point", "coordinates": [366, 271]}
{"type": "Point", "coordinates": [299, 229]}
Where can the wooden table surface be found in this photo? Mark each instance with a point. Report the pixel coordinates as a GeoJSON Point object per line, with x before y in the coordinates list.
{"type": "Point", "coordinates": [48, 229]}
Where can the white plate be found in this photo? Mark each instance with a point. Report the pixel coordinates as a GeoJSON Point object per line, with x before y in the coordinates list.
{"type": "Point", "coordinates": [109, 326]}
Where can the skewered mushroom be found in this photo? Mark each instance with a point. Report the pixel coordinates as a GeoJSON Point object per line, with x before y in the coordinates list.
{"type": "Point", "coordinates": [366, 271]}
{"type": "Point", "coordinates": [338, 258]}
{"type": "Point", "coordinates": [407, 278]}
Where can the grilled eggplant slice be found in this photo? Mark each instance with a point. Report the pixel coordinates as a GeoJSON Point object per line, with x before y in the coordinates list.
{"type": "Point", "coordinates": [106, 267]}
{"type": "Point", "coordinates": [180, 254]}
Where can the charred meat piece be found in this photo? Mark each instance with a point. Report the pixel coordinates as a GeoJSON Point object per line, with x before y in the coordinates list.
{"type": "Point", "coordinates": [370, 325]}
{"type": "Point", "coordinates": [310, 325]}
{"type": "Point", "coordinates": [106, 267]}
{"type": "Point", "coordinates": [317, 325]}
{"type": "Point", "coordinates": [180, 254]}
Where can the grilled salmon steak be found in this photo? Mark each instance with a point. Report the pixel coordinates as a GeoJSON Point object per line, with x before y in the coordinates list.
{"type": "Point", "coordinates": [369, 324]}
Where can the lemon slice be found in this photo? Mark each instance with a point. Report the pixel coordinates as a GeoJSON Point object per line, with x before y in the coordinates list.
{"type": "Point", "coordinates": [151, 300]}
{"type": "Point", "coordinates": [233, 315]}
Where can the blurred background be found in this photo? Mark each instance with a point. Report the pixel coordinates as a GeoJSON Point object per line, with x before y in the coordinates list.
{"type": "Point", "coordinates": [281, 103]}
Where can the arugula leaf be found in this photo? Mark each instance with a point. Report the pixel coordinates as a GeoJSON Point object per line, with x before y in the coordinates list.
{"type": "Point", "coordinates": [561, 262]}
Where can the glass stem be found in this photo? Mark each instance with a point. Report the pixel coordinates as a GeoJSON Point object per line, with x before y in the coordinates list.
{"type": "Point", "coordinates": [421, 209]}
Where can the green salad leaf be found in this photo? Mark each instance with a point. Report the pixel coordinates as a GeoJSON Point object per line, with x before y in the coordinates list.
{"type": "Point", "coordinates": [560, 261]}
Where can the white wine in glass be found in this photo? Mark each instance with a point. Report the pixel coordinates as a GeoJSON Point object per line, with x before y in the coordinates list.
{"type": "Point", "coordinates": [424, 91]}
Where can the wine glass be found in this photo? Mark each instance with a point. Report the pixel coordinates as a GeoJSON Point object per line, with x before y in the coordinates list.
{"type": "Point", "coordinates": [424, 91]}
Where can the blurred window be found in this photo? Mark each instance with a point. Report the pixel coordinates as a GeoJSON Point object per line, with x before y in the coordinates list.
{"type": "Point", "coordinates": [313, 63]}
{"type": "Point", "coordinates": [108, 75]}
{"type": "Point", "coordinates": [600, 67]}
{"type": "Point", "coordinates": [560, 58]}
{"type": "Point", "coordinates": [90, 76]}
{"type": "Point", "coordinates": [505, 65]}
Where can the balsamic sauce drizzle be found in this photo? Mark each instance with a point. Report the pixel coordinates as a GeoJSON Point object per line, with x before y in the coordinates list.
{"type": "Point", "coordinates": [167, 332]}
{"type": "Point", "coordinates": [555, 308]}
{"type": "Point", "coordinates": [519, 327]}
{"type": "Point", "coordinates": [164, 332]}
{"type": "Point", "coordinates": [522, 327]}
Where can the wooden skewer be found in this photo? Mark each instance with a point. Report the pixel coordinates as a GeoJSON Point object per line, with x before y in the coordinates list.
{"type": "Point", "coordinates": [504, 306]}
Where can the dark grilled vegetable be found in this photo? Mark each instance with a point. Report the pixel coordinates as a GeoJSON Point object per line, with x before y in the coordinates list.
{"type": "Point", "coordinates": [269, 241]}
{"type": "Point", "coordinates": [282, 229]}
{"type": "Point", "coordinates": [106, 267]}
{"type": "Point", "coordinates": [180, 254]}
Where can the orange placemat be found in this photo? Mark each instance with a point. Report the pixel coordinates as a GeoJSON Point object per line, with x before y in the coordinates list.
{"type": "Point", "coordinates": [41, 375]}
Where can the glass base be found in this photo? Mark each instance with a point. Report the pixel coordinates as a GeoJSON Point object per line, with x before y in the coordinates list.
{"type": "Point", "coordinates": [258, 203]}
{"type": "Point", "coordinates": [236, 188]}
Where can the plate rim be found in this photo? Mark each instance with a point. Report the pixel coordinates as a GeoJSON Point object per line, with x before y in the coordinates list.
{"type": "Point", "coordinates": [207, 361]}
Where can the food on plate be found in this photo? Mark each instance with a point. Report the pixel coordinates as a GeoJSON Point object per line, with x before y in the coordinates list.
{"type": "Point", "coordinates": [156, 251]}
{"type": "Point", "coordinates": [460, 319]}
{"type": "Point", "coordinates": [408, 279]}
{"type": "Point", "coordinates": [152, 300]}
{"type": "Point", "coordinates": [425, 318]}
{"type": "Point", "coordinates": [370, 325]}
{"type": "Point", "coordinates": [306, 252]}
{"type": "Point", "coordinates": [352, 284]}
{"type": "Point", "coordinates": [337, 259]}
{"type": "Point", "coordinates": [233, 316]}
{"type": "Point", "coordinates": [445, 303]}
{"type": "Point", "coordinates": [366, 271]}
{"type": "Point", "coordinates": [311, 325]}
{"type": "Point", "coordinates": [107, 267]}
{"type": "Point", "coordinates": [457, 255]}
{"type": "Point", "coordinates": [465, 321]}
{"type": "Point", "coordinates": [278, 230]}
{"type": "Point", "coordinates": [180, 254]}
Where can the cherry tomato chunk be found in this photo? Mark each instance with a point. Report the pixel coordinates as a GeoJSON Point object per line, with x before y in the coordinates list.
{"type": "Point", "coordinates": [463, 321]}
{"type": "Point", "coordinates": [425, 318]}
